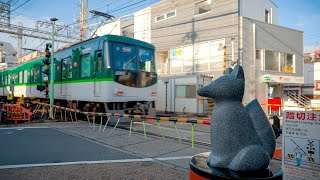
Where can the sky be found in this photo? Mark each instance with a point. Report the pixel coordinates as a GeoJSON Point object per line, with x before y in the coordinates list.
{"type": "Point", "coordinates": [303, 15]}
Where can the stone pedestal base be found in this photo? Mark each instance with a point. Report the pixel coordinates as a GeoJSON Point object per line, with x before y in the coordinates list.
{"type": "Point", "coordinates": [199, 170]}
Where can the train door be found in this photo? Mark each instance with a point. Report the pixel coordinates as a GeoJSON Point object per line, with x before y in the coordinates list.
{"type": "Point", "coordinates": [97, 73]}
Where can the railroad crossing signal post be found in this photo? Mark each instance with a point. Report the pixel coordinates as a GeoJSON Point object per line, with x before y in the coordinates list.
{"type": "Point", "coordinates": [53, 20]}
{"type": "Point", "coordinates": [224, 59]}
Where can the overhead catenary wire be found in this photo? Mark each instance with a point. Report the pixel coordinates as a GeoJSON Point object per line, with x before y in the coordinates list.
{"type": "Point", "coordinates": [20, 6]}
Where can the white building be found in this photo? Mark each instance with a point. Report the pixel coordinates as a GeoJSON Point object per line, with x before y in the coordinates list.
{"type": "Point", "coordinates": [8, 55]}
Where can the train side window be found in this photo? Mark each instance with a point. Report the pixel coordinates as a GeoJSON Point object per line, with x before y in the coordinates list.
{"type": "Point", "coordinates": [31, 75]}
{"type": "Point", "coordinates": [34, 74]}
{"type": "Point", "coordinates": [20, 77]}
{"type": "Point", "coordinates": [85, 66]}
{"type": "Point", "coordinates": [69, 68]}
{"type": "Point", "coordinates": [99, 62]}
{"type": "Point", "coordinates": [25, 76]}
{"type": "Point", "coordinates": [64, 65]}
{"type": "Point", "coordinates": [41, 75]}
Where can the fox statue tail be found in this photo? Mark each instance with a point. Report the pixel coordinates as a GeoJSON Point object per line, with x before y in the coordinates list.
{"type": "Point", "coordinates": [262, 126]}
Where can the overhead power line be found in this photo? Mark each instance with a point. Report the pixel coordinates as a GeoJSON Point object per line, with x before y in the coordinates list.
{"type": "Point", "coordinates": [20, 6]}
{"type": "Point", "coordinates": [34, 33]}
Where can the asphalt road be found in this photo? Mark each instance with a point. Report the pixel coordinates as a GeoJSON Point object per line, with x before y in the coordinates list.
{"type": "Point", "coordinates": [46, 145]}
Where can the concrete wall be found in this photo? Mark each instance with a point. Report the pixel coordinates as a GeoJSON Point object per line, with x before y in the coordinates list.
{"type": "Point", "coordinates": [255, 9]}
{"type": "Point", "coordinates": [258, 35]}
{"type": "Point", "coordinates": [308, 73]}
{"type": "Point", "coordinates": [142, 25]}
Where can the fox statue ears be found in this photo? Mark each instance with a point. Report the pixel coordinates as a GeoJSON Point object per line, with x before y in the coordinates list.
{"type": "Point", "coordinates": [237, 72]}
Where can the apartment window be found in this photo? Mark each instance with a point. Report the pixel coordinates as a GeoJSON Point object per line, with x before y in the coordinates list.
{"type": "Point", "coordinates": [203, 7]}
{"type": "Point", "coordinates": [160, 17]}
{"type": "Point", "coordinates": [167, 15]}
{"type": "Point", "coordinates": [171, 14]}
{"type": "Point", "coordinates": [267, 16]}
{"type": "Point", "coordinates": [279, 61]}
{"type": "Point", "coordinates": [186, 91]}
{"type": "Point", "coordinates": [286, 62]}
{"type": "Point", "coordinates": [258, 54]}
{"type": "Point", "coordinates": [271, 60]}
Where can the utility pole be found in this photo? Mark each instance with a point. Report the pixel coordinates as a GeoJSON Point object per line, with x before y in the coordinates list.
{"type": "Point", "coordinates": [20, 41]}
{"type": "Point", "coordinates": [5, 12]}
{"type": "Point", "coordinates": [83, 19]}
{"type": "Point", "coordinates": [52, 68]}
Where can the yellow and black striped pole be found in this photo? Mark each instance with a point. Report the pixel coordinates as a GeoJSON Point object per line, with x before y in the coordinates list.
{"type": "Point", "coordinates": [224, 59]}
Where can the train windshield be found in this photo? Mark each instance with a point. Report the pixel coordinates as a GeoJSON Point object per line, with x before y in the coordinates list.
{"type": "Point", "coordinates": [129, 57]}
{"type": "Point", "coordinates": [134, 65]}
{"type": "Point", "coordinates": [146, 60]}
{"type": "Point", "coordinates": [125, 56]}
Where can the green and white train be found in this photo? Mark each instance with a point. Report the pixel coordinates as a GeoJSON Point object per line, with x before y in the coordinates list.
{"type": "Point", "coordinates": [113, 72]}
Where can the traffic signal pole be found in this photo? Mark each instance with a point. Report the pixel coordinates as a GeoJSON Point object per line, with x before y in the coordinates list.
{"type": "Point", "coordinates": [52, 68]}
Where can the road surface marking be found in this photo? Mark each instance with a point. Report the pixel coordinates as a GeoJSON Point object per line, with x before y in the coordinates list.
{"type": "Point", "coordinates": [94, 162]}
{"type": "Point", "coordinates": [21, 128]}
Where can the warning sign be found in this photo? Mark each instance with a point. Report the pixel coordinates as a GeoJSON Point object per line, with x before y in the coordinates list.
{"type": "Point", "coordinates": [301, 142]}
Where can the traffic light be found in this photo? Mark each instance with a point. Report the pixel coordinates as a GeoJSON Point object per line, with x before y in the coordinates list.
{"type": "Point", "coordinates": [46, 71]}
{"type": "Point", "coordinates": [46, 60]}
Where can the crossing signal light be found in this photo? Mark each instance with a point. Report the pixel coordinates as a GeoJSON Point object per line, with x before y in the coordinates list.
{"type": "Point", "coordinates": [46, 61]}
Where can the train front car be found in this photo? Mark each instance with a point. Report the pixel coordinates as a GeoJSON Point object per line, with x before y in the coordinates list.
{"type": "Point", "coordinates": [132, 65]}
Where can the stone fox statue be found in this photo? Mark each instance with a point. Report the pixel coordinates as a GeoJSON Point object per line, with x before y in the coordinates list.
{"type": "Point", "coordinates": [242, 138]}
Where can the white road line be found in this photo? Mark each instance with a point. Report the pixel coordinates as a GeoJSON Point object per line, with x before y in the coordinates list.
{"type": "Point", "coordinates": [173, 158]}
{"type": "Point", "coordinates": [93, 162]}
{"type": "Point", "coordinates": [21, 128]}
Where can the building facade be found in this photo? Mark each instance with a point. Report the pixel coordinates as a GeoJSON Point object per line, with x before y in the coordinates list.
{"type": "Point", "coordinates": [8, 55]}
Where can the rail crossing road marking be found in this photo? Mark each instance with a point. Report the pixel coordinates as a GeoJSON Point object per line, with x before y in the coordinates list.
{"type": "Point", "coordinates": [94, 162]}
